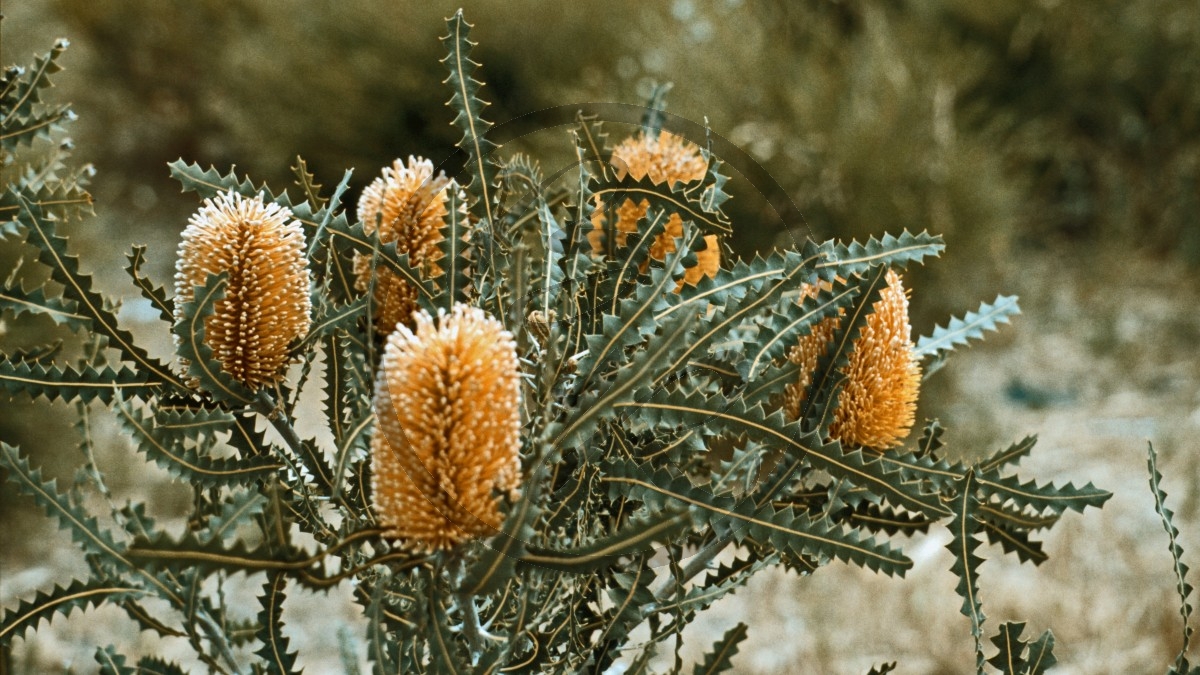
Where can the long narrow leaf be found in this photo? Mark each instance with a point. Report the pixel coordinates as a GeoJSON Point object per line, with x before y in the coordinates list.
{"type": "Point", "coordinates": [79, 594]}
{"type": "Point", "coordinates": [64, 269]}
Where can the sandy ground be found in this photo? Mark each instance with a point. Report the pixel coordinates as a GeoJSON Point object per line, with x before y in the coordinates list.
{"type": "Point", "coordinates": [1102, 361]}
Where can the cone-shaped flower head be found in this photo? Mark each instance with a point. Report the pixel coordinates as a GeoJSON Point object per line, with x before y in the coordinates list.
{"type": "Point", "coordinates": [665, 158]}
{"type": "Point", "coordinates": [878, 402]}
{"type": "Point", "coordinates": [266, 304]}
{"type": "Point", "coordinates": [448, 429]}
{"type": "Point", "coordinates": [407, 205]}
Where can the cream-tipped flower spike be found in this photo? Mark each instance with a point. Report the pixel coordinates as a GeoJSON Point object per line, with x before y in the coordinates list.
{"type": "Point", "coordinates": [407, 205]}
{"type": "Point", "coordinates": [447, 435]}
{"type": "Point", "coordinates": [877, 405]}
{"type": "Point", "coordinates": [665, 158]}
{"type": "Point", "coordinates": [266, 304]}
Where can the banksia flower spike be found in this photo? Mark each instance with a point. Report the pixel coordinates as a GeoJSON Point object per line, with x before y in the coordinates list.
{"type": "Point", "coordinates": [407, 205]}
{"type": "Point", "coordinates": [877, 403]}
{"type": "Point", "coordinates": [665, 158]}
{"type": "Point", "coordinates": [448, 429]}
{"type": "Point", "coordinates": [266, 304]}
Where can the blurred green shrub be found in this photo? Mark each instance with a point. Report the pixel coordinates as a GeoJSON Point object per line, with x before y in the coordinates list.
{"type": "Point", "coordinates": [984, 121]}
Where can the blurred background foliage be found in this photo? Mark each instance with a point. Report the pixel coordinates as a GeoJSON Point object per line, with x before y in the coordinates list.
{"type": "Point", "coordinates": [996, 124]}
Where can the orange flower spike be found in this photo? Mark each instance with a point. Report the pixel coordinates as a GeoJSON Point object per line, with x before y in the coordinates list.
{"type": "Point", "coordinates": [670, 159]}
{"type": "Point", "coordinates": [877, 405]}
{"type": "Point", "coordinates": [266, 304]}
{"type": "Point", "coordinates": [448, 429]}
{"type": "Point", "coordinates": [666, 158]}
{"type": "Point", "coordinates": [407, 205]}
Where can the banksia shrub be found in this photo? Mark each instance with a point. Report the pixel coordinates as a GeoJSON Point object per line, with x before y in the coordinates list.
{"type": "Point", "coordinates": [448, 429]}
{"type": "Point", "coordinates": [266, 305]}
{"type": "Point", "coordinates": [498, 486]}
{"type": "Point", "coordinates": [405, 206]}
{"type": "Point", "coordinates": [878, 400]}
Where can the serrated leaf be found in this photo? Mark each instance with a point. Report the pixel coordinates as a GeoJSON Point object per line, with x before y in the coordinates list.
{"type": "Point", "coordinates": [655, 107]}
{"type": "Point", "coordinates": [668, 197]}
{"type": "Point", "coordinates": [616, 284]}
{"type": "Point", "coordinates": [465, 101]}
{"type": "Point", "coordinates": [963, 530]}
{"type": "Point", "coordinates": [167, 448]}
{"type": "Point", "coordinates": [200, 422]}
{"type": "Point", "coordinates": [1011, 539]}
{"type": "Point", "coordinates": [931, 440]}
{"type": "Point", "coordinates": [673, 409]}
{"type": "Point", "coordinates": [83, 528]}
{"type": "Point", "coordinates": [70, 384]}
{"type": "Point", "coordinates": [64, 269]}
{"type": "Point", "coordinates": [209, 183]}
{"type": "Point", "coordinates": [326, 212]}
{"type": "Point", "coordinates": [784, 529]}
{"type": "Point", "coordinates": [1041, 498]}
{"type": "Point", "coordinates": [241, 508]}
{"type": "Point", "coordinates": [1010, 516]}
{"type": "Point", "coordinates": [970, 327]}
{"type": "Point", "coordinates": [347, 402]}
{"type": "Point", "coordinates": [720, 658]}
{"type": "Point", "coordinates": [886, 519]}
{"type": "Point", "coordinates": [714, 196]}
{"type": "Point", "coordinates": [153, 665]}
{"type": "Point", "coordinates": [933, 474]}
{"type": "Point", "coordinates": [629, 322]}
{"type": "Point", "coordinates": [308, 183]}
{"type": "Point", "coordinates": [328, 317]}
{"type": "Point", "coordinates": [1041, 655]}
{"type": "Point", "coordinates": [60, 601]}
{"type": "Point", "coordinates": [548, 281]}
{"type": "Point", "coordinates": [189, 553]}
{"type": "Point", "coordinates": [1010, 659]}
{"type": "Point", "coordinates": [1010, 455]}
{"type": "Point", "coordinates": [446, 654]}
{"type": "Point", "coordinates": [274, 651]}
{"type": "Point", "coordinates": [24, 129]}
{"type": "Point", "coordinates": [634, 537]}
{"type": "Point", "coordinates": [22, 92]}
{"type": "Point", "coordinates": [457, 251]}
{"type": "Point", "coordinates": [782, 329]}
{"type": "Point", "coordinates": [147, 622]}
{"type": "Point", "coordinates": [62, 198]}
{"type": "Point", "coordinates": [630, 598]}
{"type": "Point", "coordinates": [494, 566]}
{"type": "Point", "coordinates": [61, 311]}
{"type": "Point", "coordinates": [39, 354]}
{"type": "Point", "coordinates": [853, 259]}
{"type": "Point", "coordinates": [1180, 570]}
{"type": "Point", "coordinates": [748, 294]}
{"type": "Point", "coordinates": [112, 663]}
{"type": "Point", "coordinates": [591, 143]}
{"type": "Point", "coordinates": [155, 294]}
{"type": "Point", "coordinates": [596, 405]}
{"type": "Point", "coordinates": [353, 237]}
{"type": "Point", "coordinates": [382, 650]}
{"type": "Point", "coordinates": [719, 582]}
